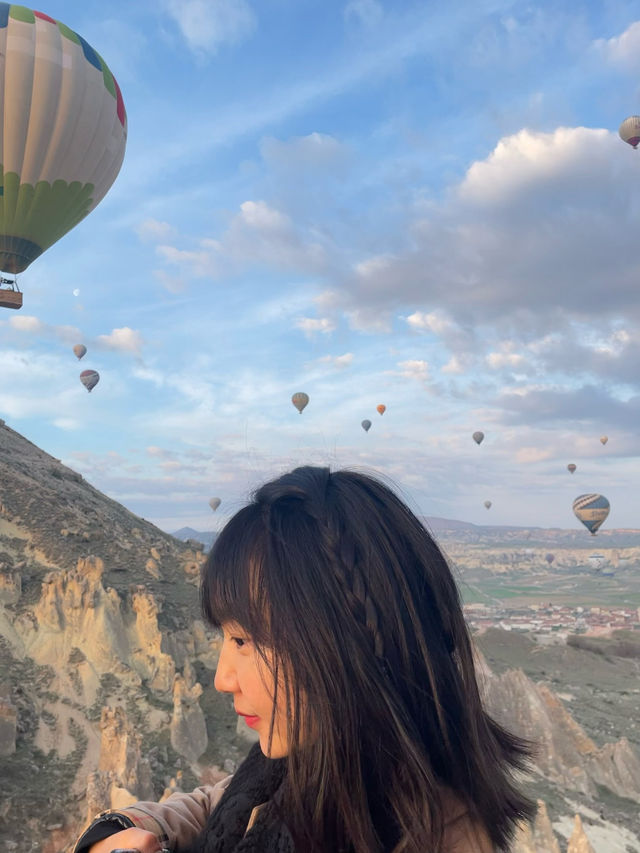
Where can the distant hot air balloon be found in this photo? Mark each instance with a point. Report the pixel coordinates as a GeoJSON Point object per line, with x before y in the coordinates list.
{"type": "Point", "coordinates": [550, 558]}
{"type": "Point", "coordinates": [63, 132]}
{"type": "Point", "coordinates": [604, 439]}
{"type": "Point", "coordinates": [629, 131]}
{"type": "Point", "coordinates": [591, 510]}
{"type": "Point", "coordinates": [366, 425]}
{"type": "Point", "coordinates": [214, 503]}
{"type": "Point", "coordinates": [89, 379]}
{"type": "Point", "coordinates": [300, 400]}
{"type": "Point", "coordinates": [487, 504]}
{"type": "Point", "coordinates": [571, 467]}
{"type": "Point", "coordinates": [478, 437]}
{"type": "Point", "coordinates": [381, 409]}
{"type": "Point", "coordinates": [80, 351]}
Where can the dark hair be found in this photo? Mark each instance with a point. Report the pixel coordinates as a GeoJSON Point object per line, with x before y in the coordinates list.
{"type": "Point", "coordinates": [361, 614]}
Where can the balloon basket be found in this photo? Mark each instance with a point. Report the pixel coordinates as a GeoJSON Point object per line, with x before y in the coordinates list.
{"type": "Point", "coordinates": [10, 299]}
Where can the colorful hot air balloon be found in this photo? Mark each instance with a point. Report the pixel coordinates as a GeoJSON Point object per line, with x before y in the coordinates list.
{"type": "Point", "coordinates": [550, 558]}
{"type": "Point", "coordinates": [478, 437]}
{"type": "Point", "coordinates": [89, 379]}
{"type": "Point", "coordinates": [591, 510]}
{"type": "Point", "coordinates": [366, 425]}
{"type": "Point", "coordinates": [571, 467]}
{"type": "Point", "coordinates": [381, 409]}
{"type": "Point", "coordinates": [300, 400]}
{"type": "Point", "coordinates": [63, 132]}
{"type": "Point", "coordinates": [80, 351]}
{"type": "Point", "coordinates": [487, 504]}
{"type": "Point", "coordinates": [604, 439]}
{"type": "Point", "coordinates": [629, 131]}
{"type": "Point", "coordinates": [214, 503]}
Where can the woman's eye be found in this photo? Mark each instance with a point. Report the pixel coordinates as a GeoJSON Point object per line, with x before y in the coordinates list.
{"type": "Point", "coordinates": [239, 641]}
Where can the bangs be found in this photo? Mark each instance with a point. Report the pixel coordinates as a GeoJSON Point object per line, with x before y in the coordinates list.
{"type": "Point", "coordinates": [233, 583]}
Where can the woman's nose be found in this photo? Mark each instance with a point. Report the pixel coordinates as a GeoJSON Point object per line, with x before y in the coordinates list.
{"type": "Point", "coordinates": [225, 680]}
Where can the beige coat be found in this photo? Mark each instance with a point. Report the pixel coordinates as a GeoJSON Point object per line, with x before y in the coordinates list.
{"type": "Point", "coordinates": [181, 817]}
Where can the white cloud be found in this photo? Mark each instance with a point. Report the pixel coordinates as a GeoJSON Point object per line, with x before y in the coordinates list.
{"type": "Point", "coordinates": [506, 356]}
{"type": "Point", "coordinates": [529, 455]}
{"type": "Point", "coordinates": [414, 369]}
{"type": "Point", "coordinates": [453, 366]}
{"type": "Point", "coordinates": [365, 12]}
{"type": "Point", "coordinates": [311, 325]}
{"type": "Point", "coordinates": [122, 340]}
{"type": "Point", "coordinates": [624, 49]}
{"type": "Point", "coordinates": [35, 326]}
{"type": "Point", "coordinates": [27, 323]}
{"type": "Point", "coordinates": [258, 234]}
{"type": "Point", "coordinates": [433, 322]}
{"type": "Point", "coordinates": [340, 362]}
{"type": "Point", "coordinates": [207, 24]}
{"type": "Point", "coordinates": [315, 151]}
{"type": "Point", "coordinates": [530, 159]}
{"type": "Point", "coordinates": [154, 231]}
{"type": "Point", "coordinates": [67, 424]}
{"type": "Point", "coordinates": [200, 263]}
{"type": "Point", "coordinates": [258, 215]}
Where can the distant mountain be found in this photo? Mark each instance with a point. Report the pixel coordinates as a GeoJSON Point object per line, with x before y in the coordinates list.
{"type": "Point", "coordinates": [206, 538]}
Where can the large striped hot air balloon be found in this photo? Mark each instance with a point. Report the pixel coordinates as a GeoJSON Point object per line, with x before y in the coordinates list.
{"type": "Point", "coordinates": [591, 510]}
{"type": "Point", "coordinates": [62, 136]}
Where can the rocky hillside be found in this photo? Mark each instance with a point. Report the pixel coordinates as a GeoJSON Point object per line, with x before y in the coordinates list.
{"type": "Point", "coordinates": [106, 679]}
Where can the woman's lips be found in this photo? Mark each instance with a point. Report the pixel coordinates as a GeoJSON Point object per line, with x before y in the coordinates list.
{"type": "Point", "coordinates": [250, 719]}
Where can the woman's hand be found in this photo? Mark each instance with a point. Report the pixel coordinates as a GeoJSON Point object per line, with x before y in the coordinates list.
{"type": "Point", "coordinates": [128, 839]}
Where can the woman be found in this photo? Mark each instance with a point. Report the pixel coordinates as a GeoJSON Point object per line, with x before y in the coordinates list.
{"type": "Point", "coordinates": [346, 649]}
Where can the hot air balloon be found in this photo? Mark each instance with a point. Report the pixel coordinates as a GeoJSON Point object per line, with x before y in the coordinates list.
{"type": "Point", "coordinates": [381, 409]}
{"type": "Point", "coordinates": [80, 351]}
{"type": "Point", "coordinates": [550, 558]}
{"type": "Point", "coordinates": [571, 467]}
{"type": "Point", "coordinates": [366, 425]}
{"type": "Point", "coordinates": [89, 379]}
{"type": "Point", "coordinates": [487, 504]}
{"type": "Point", "coordinates": [478, 437]}
{"type": "Point", "coordinates": [591, 510]}
{"type": "Point", "coordinates": [63, 133]}
{"type": "Point", "coordinates": [214, 503]}
{"type": "Point", "coordinates": [629, 131]}
{"type": "Point", "coordinates": [604, 439]}
{"type": "Point", "coordinates": [300, 400]}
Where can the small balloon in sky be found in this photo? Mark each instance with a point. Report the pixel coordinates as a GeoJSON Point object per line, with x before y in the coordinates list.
{"type": "Point", "coordinates": [381, 409]}
{"type": "Point", "coordinates": [300, 400]}
{"type": "Point", "coordinates": [591, 510]}
{"type": "Point", "coordinates": [89, 379]}
{"type": "Point", "coordinates": [478, 437]}
{"type": "Point", "coordinates": [366, 425]}
{"type": "Point", "coordinates": [604, 439]}
{"type": "Point", "coordinates": [629, 131]}
{"type": "Point", "coordinates": [214, 503]}
{"type": "Point", "coordinates": [571, 467]}
{"type": "Point", "coordinates": [550, 558]}
{"type": "Point", "coordinates": [80, 351]}
{"type": "Point", "coordinates": [488, 504]}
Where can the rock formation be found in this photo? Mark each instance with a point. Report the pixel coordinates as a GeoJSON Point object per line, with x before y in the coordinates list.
{"type": "Point", "coordinates": [188, 727]}
{"type": "Point", "coordinates": [579, 843]}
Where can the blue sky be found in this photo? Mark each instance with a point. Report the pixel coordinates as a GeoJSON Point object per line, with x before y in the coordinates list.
{"type": "Point", "coordinates": [419, 204]}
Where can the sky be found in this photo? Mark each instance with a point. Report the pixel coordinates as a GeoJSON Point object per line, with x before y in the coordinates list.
{"type": "Point", "coordinates": [418, 204]}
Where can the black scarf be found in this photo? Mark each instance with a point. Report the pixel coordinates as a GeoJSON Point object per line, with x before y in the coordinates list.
{"type": "Point", "coordinates": [256, 781]}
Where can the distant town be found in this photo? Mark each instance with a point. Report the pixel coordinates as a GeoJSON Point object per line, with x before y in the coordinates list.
{"type": "Point", "coordinates": [552, 622]}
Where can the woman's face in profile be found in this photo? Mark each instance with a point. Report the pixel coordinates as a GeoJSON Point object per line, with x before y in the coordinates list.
{"type": "Point", "coordinates": [243, 672]}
